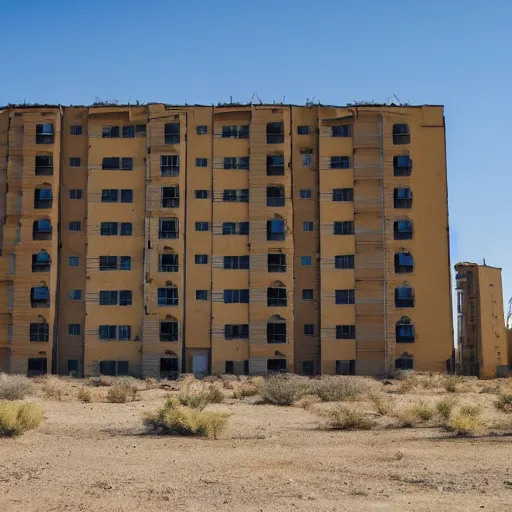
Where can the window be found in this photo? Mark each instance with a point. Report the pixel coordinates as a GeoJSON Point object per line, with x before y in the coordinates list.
{"type": "Point", "coordinates": [402, 198]}
{"type": "Point", "coordinates": [169, 331]}
{"type": "Point", "coordinates": [74, 261]}
{"type": "Point", "coordinates": [236, 196]}
{"type": "Point", "coordinates": [39, 331]}
{"type": "Point", "coordinates": [126, 195]}
{"type": "Point", "coordinates": [308, 367]}
{"type": "Point", "coordinates": [107, 263]}
{"type": "Point", "coordinates": [109, 195]}
{"type": "Point", "coordinates": [236, 331]}
{"type": "Point", "coordinates": [276, 262]}
{"type": "Point", "coordinates": [309, 329]}
{"type": "Point", "coordinates": [75, 193]}
{"type": "Point", "coordinates": [110, 132]}
{"type": "Point", "coordinates": [275, 165]}
{"type": "Point", "coordinates": [170, 197]}
{"type": "Point", "coordinates": [202, 226]}
{"type": "Point", "coordinates": [305, 194]}
{"type": "Point", "coordinates": [201, 194]}
{"type": "Point", "coordinates": [401, 134]}
{"type": "Point", "coordinates": [169, 165]}
{"type": "Point", "coordinates": [114, 368]}
{"type": "Point", "coordinates": [307, 294]}
{"type": "Point", "coordinates": [40, 297]}
{"type": "Point", "coordinates": [172, 133]}
{"type": "Point", "coordinates": [168, 263]}
{"type": "Point", "coordinates": [243, 228]}
{"type": "Point", "coordinates": [201, 162]}
{"type": "Point", "coordinates": [74, 329]}
{"type": "Point", "coordinates": [125, 333]}
{"type": "Point", "coordinates": [75, 225]}
{"type": "Point", "coordinates": [75, 295]}
{"type": "Point", "coordinates": [74, 162]}
{"type": "Point", "coordinates": [231, 162]}
{"type": "Point", "coordinates": [110, 163]}
{"type": "Point", "coordinates": [108, 229]}
{"type": "Point", "coordinates": [41, 261]}
{"type": "Point", "coordinates": [404, 362]}
{"type": "Point", "coordinates": [125, 262]}
{"type": "Point", "coordinates": [307, 157]}
{"type": "Point", "coordinates": [76, 129]}
{"type": "Point", "coordinates": [343, 194]}
{"type": "Point", "coordinates": [276, 365]}
{"type": "Point", "coordinates": [305, 261]}
{"type": "Point", "coordinates": [275, 196]}
{"type": "Point", "coordinates": [235, 228]}
{"type": "Point", "coordinates": [126, 229]}
{"type": "Point", "coordinates": [167, 296]}
{"type": "Point", "coordinates": [140, 130]}
{"type": "Point", "coordinates": [125, 297]}
{"type": "Point", "coordinates": [43, 198]}
{"type": "Point", "coordinates": [44, 133]}
{"type": "Point", "coordinates": [201, 259]}
{"type": "Point", "coordinates": [126, 164]}
{"type": "Point", "coordinates": [276, 297]}
{"type": "Point", "coordinates": [404, 330]}
{"type": "Point", "coordinates": [43, 165]}
{"type": "Point", "coordinates": [340, 162]}
{"type": "Point", "coordinates": [345, 227]}
{"type": "Point", "coordinates": [229, 367]}
{"type": "Point", "coordinates": [235, 132]}
{"type": "Point", "coordinates": [402, 230]}
{"type": "Point", "coordinates": [236, 262]}
{"type": "Point", "coordinates": [42, 230]}
{"type": "Point", "coordinates": [303, 130]}
{"type": "Point", "coordinates": [342, 131]}
{"type": "Point", "coordinates": [307, 225]}
{"type": "Point", "coordinates": [402, 165]}
{"type": "Point", "coordinates": [201, 129]}
{"type": "Point", "coordinates": [404, 262]}
{"type": "Point", "coordinates": [276, 330]}
{"type": "Point", "coordinates": [345, 297]}
{"type": "Point", "coordinates": [275, 230]}
{"type": "Point", "coordinates": [108, 298]}
{"type": "Point", "coordinates": [346, 367]}
{"type": "Point", "coordinates": [345, 332]}
{"type": "Point", "coordinates": [236, 296]}
{"type": "Point", "coordinates": [201, 294]}
{"type": "Point", "coordinates": [128, 132]}
{"type": "Point", "coordinates": [275, 133]}
{"type": "Point", "coordinates": [344, 261]}
{"type": "Point", "coordinates": [168, 229]}
{"type": "Point", "coordinates": [37, 366]}
{"type": "Point", "coordinates": [107, 332]}
{"type": "Point", "coordinates": [404, 297]}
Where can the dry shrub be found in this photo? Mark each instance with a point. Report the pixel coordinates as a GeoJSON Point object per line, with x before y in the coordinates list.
{"type": "Point", "coordinates": [407, 385]}
{"type": "Point", "coordinates": [383, 405]}
{"type": "Point", "coordinates": [490, 390]}
{"type": "Point", "coordinates": [450, 383]}
{"type": "Point", "coordinates": [215, 395]}
{"type": "Point", "coordinates": [187, 378]}
{"type": "Point", "coordinates": [284, 389]}
{"type": "Point", "coordinates": [102, 381]}
{"type": "Point", "coordinates": [465, 422]}
{"type": "Point", "coordinates": [176, 420]}
{"type": "Point", "coordinates": [504, 403]}
{"type": "Point", "coordinates": [123, 389]}
{"type": "Point", "coordinates": [150, 383]}
{"type": "Point", "coordinates": [423, 411]}
{"type": "Point", "coordinates": [412, 416]}
{"type": "Point", "coordinates": [197, 399]}
{"type": "Point", "coordinates": [402, 374]}
{"type": "Point", "coordinates": [15, 387]}
{"type": "Point", "coordinates": [337, 388]}
{"type": "Point", "coordinates": [53, 389]}
{"type": "Point", "coordinates": [307, 401]}
{"type": "Point", "coordinates": [17, 418]}
{"type": "Point", "coordinates": [245, 390]}
{"type": "Point", "coordinates": [345, 418]}
{"type": "Point", "coordinates": [444, 407]}
{"type": "Point", "coordinates": [84, 395]}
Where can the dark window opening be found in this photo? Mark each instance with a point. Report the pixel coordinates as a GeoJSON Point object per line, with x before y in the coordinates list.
{"type": "Point", "coordinates": [168, 263]}
{"type": "Point", "coordinates": [169, 331]}
{"type": "Point", "coordinates": [107, 332]}
{"type": "Point", "coordinates": [276, 262]}
{"type": "Point", "coordinates": [276, 332]}
{"type": "Point", "coordinates": [275, 196]}
{"type": "Point", "coordinates": [236, 296]}
{"type": "Point", "coordinates": [275, 230]}
{"type": "Point", "coordinates": [37, 366]}
{"type": "Point", "coordinates": [235, 132]}
{"type": "Point", "coordinates": [346, 367]}
{"type": "Point", "coordinates": [308, 367]}
{"type": "Point", "coordinates": [39, 331]}
{"type": "Point", "coordinates": [404, 263]}
{"type": "Point", "coordinates": [170, 197]}
{"type": "Point", "coordinates": [404, 330]}
{"type": "Point", "coordinates": [275, 133]}
{"type": "Point", "coordinates": [43, 198]}
{"type": "Point", "coordinates": [168, 229]}
{"type": "Point", "coordinates": [402, 230]}
{"type": "Point", "coordinates": [236, 262]}
{"type": "Point", "coordinates": [345, 296]}
{"type": "Point", "coordinates": [404, 362]}
{"type": "Point", "coordinates": [345, 227]}
{"type": "Point", "coordinates": [44, 165]}
{"type": "Point", "coordinates": [167, 296]}
{"type": "Point", "coordinates": [236, 331]}
{"type": "Point", "coordinates": [231, 162]}
{"type": "Point", "coordinates": [110, 163]}
{"type": "Point", "coordinates": [275, 165]}
{"type": "Point", "coordinates": [44, 133]}
{"type": "Point", "coordinates": [41, 262]}
{"type": "Point", "coordinates": [401, 134]}
{"type": "Point", "coordinates": [344, 130]}
{"type": "Point", "coordinates": [303, 130]}
{"type": "Point", "coordinates": [344, 261]}
{"type": "Point", "coordinates": [404, 297]}
{"type": "Point", "coordinates": [343, 194]}
{"type": "Point", "coordinates": [168, 367]}
{"type": "Point", "coordinates": [340, 162]}
{"type": "Point", "coordinates": [277, 297]}
{"type": "Point", "coordinates": [402, 198]}
{"type": "Point", "coordinates": [229, 367]}
{"type": "Point", "coordinates": [276, 365]}
{"type": "Point", "coordinates": [402, 165]}
{"type": "Point", "coordinates": [345, 332]}
{"type": "Point", "coordinates": [40, 297]}
{"type": "Point", "coordinates": [110, 132]}
{"type": "Point", "coordinates": [309, 329]}
{"type": "Point", "coordinates": [169, 165]}
{"type": "Point", "coordinates": [42, 230]}
{"type": "Point", "coordinates": [172, 133]}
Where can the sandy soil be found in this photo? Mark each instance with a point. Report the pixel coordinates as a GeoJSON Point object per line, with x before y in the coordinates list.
{"type": "Point", "coordinates": [96, 457]}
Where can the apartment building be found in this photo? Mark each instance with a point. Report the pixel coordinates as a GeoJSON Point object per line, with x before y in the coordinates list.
{"type": "Point", "coordinates": [481, 333]}
{"type": "Point", "coordinates": [153, 240]}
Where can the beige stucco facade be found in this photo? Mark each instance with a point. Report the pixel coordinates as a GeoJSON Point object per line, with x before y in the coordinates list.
{"type": "Point", "coordinates": [237, 238]}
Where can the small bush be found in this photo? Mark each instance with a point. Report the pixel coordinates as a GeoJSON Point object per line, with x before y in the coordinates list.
{"type": "Point", "coordinates": [244, 391]}
{"type": "Point", "coordinates": [422, 411]}
{"type": "Point", "coordinates": [122, 390]}
{"type": "Point", "coordinates": [284, 389]}
{"type": "Point", "coordinates": [470, 410]}
{"type": "Point", "coordinates": [407, 385]}
{"type": "Point", "coordinates": [193, 399]}
{"type": "Point", "coordinates": [17, 418]}
{"type": "Point", "coordinates": [176, 420]}
{"type": "Point", "coordinates": [450, 383]}
{"type": "Point", "coordinates": [307, 401]}
{"type": "Point", "coordinates": [15, 387]}
{"type": "Point", "coordinates": [84, 395]}
{"type": "Point", "coordinates": [53, 389]}
{"type": "Point", "coordinates": [504, 403]}
{"type": "Point", "coordinates": [345, 418]}
{"type": "Point", "coordinates": [463, 424]}
{"type": "Point", "coordinates": [337, 388]}
{"type": "Point", "coordinates": [215, 395]}
{"type": "Point", "coordinates": [445, 407]}
{"type": "Point", "coordinates": [382, 404]}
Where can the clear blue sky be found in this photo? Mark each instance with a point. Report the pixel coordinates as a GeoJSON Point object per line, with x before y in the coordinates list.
{"type": "Point", "coordinates": [451, 52]}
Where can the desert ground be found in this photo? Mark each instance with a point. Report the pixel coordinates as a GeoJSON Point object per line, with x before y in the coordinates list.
{"type": "Point", "coordinates": [98, 456]}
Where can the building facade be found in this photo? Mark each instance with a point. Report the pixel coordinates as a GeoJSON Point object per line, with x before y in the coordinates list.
{"type": "Point", "coordinates": [481, 333]}
{"type": "Point", "coordinates": [157, 239]}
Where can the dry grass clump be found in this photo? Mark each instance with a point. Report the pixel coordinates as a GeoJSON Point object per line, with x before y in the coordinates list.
{"type": "Point", "coordinates": [348, 418]}
{"type": "Point", "coordinates": [84, 395]}
{"type": "Point", "coordinates": [176, 420]}
{"type": "Point", "coordinates": [338, 388]}
{"type": "Point", "coordinates": [412, 416]}
{"type": "Point", "coordinates": [198, 399]}
{"type": "Point", "coordinates": [122, 390]}
{"type": "Point", "coordinates": [307, 401]}
{"type": "Point", "coordinates": [445, 407]}
{"type": "Point", "coordinates": [17, 418]}
{"type": "Point", "coordinates": [423, 412]}
{"type": "Point", "coordinates": [53, 388]}
{"type": "Point", "coordinates": [245, 390]}
{"type": "Point", "coordinates": [15, 387]}
{"type": "Point", "coordinates": [284, 389]}
{"type": "Point", "coordinates": [465, 422]}
{"type": "Point", "coordinates": [504, 403]}
{"type": "Point", "coordinates": [450, 383]}
{"type": "Point", "coordinates": [407, 385]}
{"type": "Point", "coordinates": [383, 405]}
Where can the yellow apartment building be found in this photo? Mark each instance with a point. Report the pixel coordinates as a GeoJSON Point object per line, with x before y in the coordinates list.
{"type": "Point", "coordinates": [481, 333]}
{"type": "Point", "coordinates": [153, 240]}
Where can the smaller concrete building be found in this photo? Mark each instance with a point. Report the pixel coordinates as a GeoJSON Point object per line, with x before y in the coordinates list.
{"type": "Point", "coordinates": [481, 333]}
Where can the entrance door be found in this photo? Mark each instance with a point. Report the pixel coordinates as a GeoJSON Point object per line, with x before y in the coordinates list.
{"type": "Point", "coordinates": [200, 366]}
{"type": "Point", "coordinates": [5, 360]}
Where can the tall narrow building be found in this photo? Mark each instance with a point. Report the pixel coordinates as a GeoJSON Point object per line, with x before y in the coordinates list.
{"type": "Point", "coordinates": [153, 240]}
